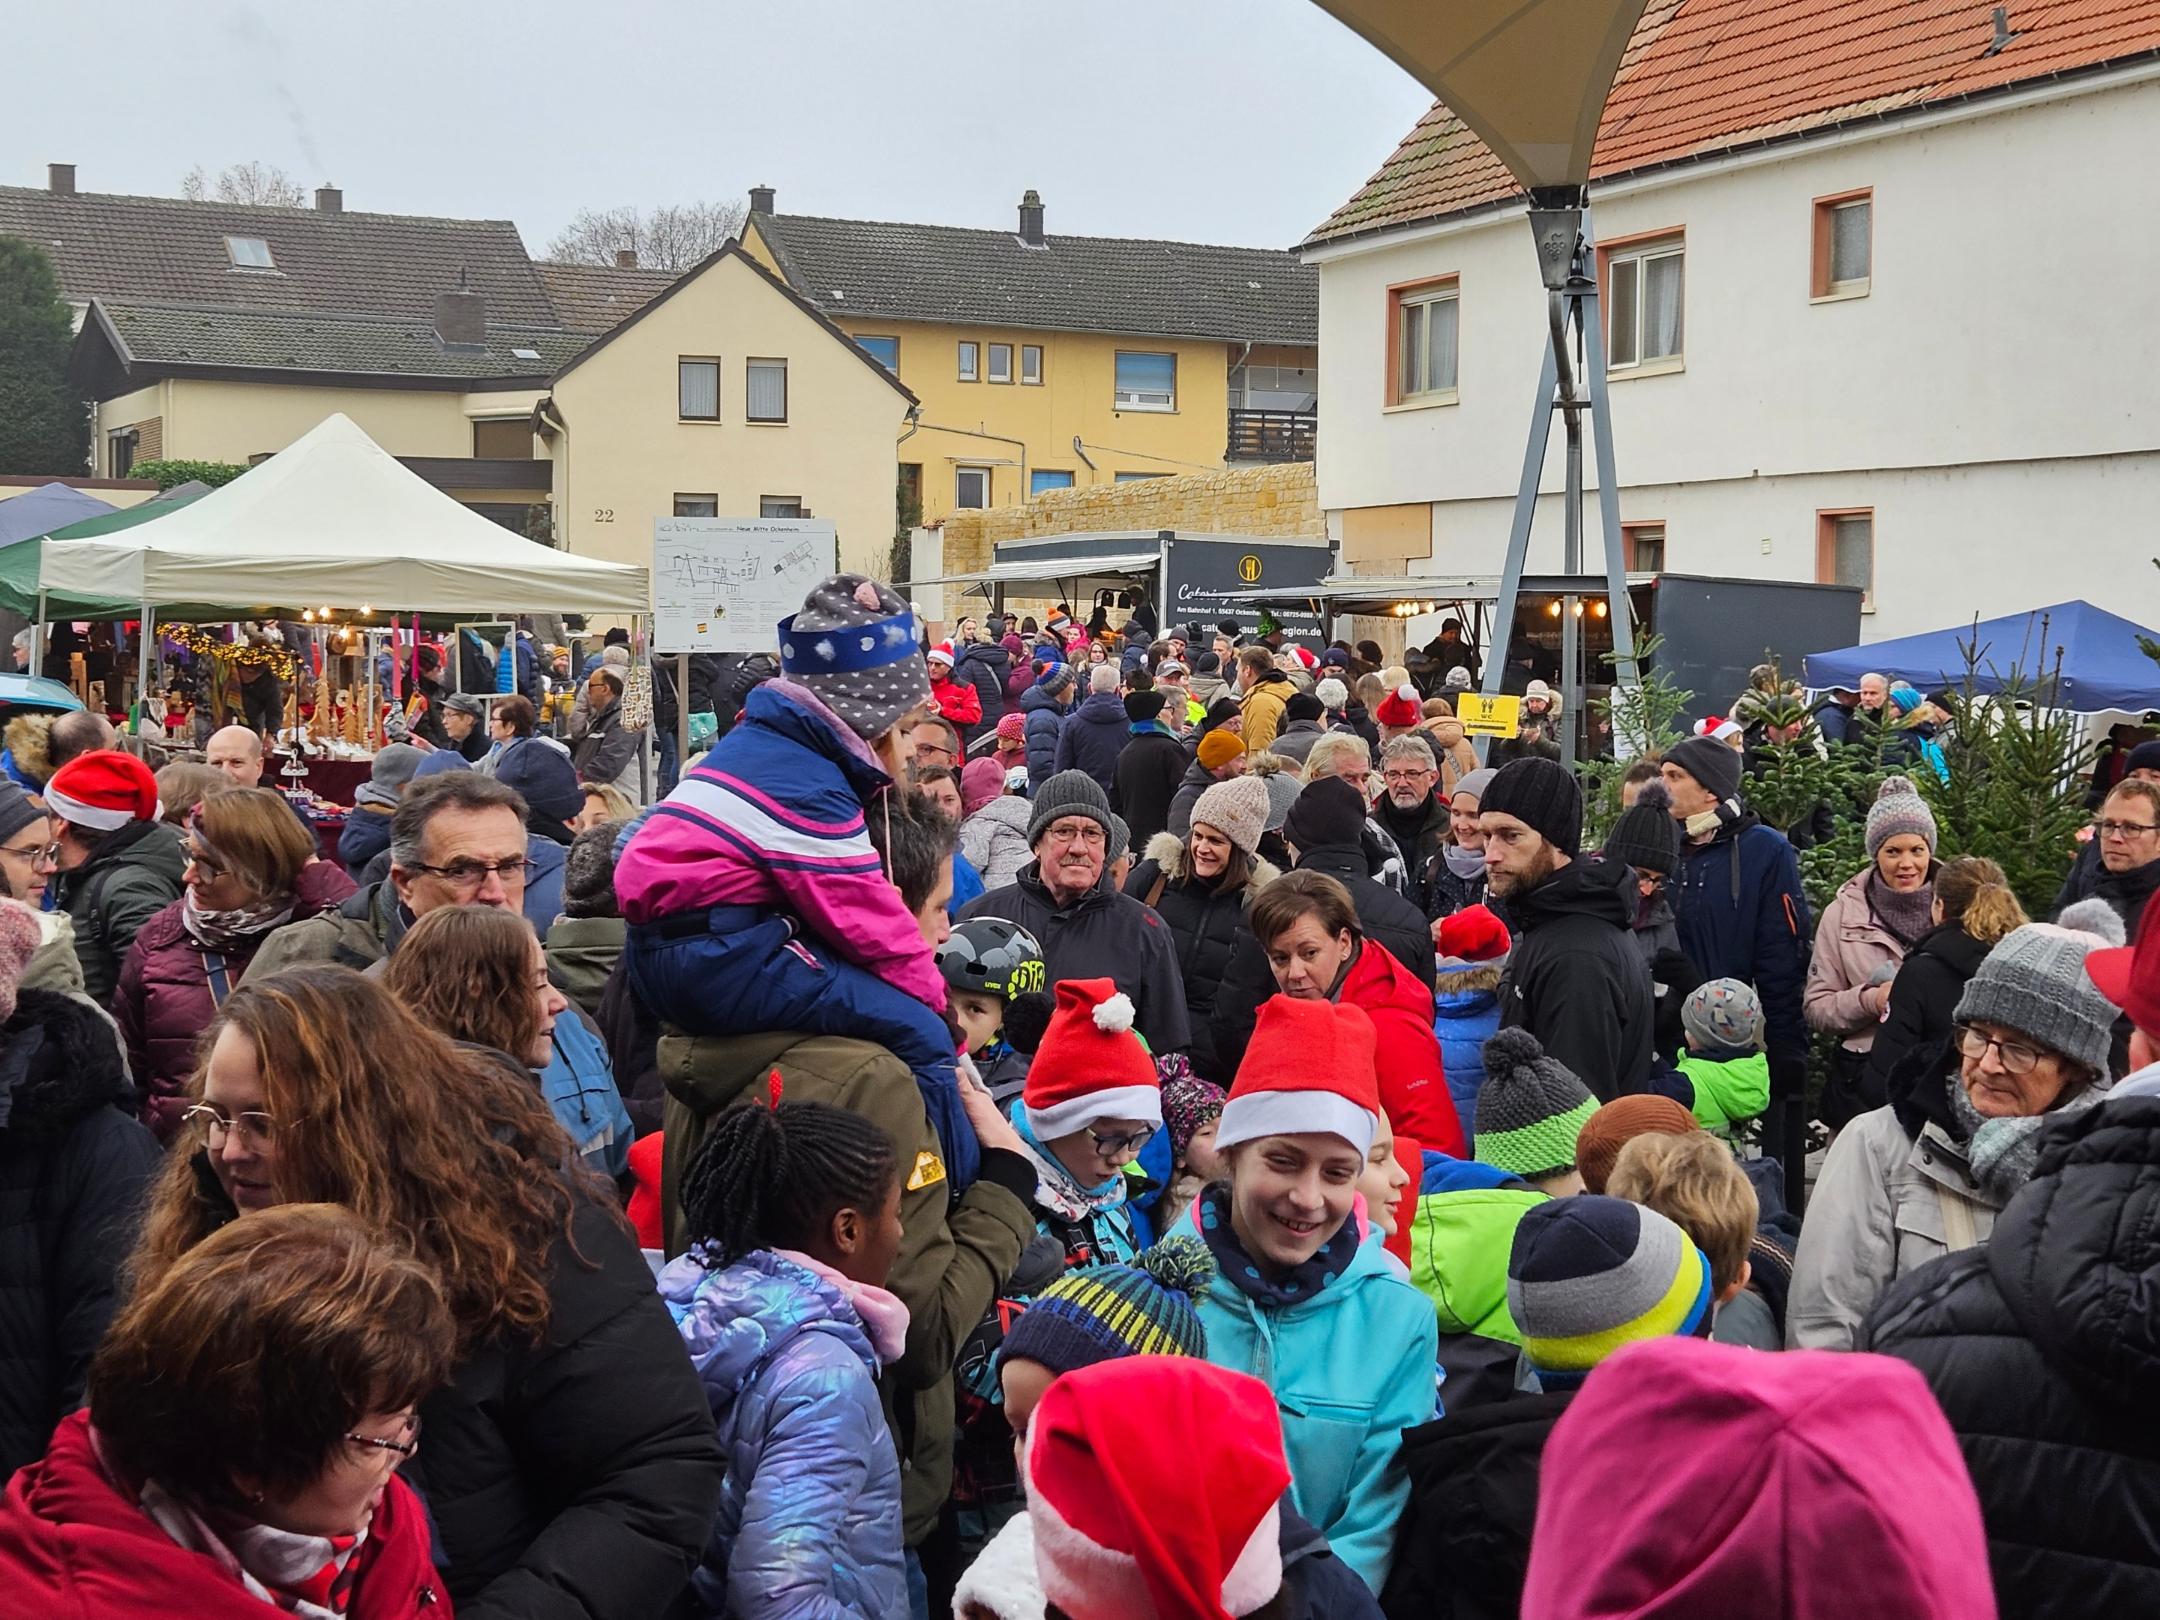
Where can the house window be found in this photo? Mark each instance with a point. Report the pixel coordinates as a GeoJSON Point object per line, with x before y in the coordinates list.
{"type": "Point", "coordinates": [249, 253]}
{"type": "Point", "coordinates": [765, 396]}
{"type": "Point", "coordinates": [779, 506]}
{"type": "Point", "coordinates": [1001, 362]}
{"type": "Point", "coordinates": [1043, 478]}
{"type": "Point", "coordinates": [1426, 324]}
{"type": "Point", "coordinates": [509, 439]}
{"type": "Point", "coordinates": [697, 390]}
{"type": "Point", "coordinates": [697, 506]}
{"type": "Point", "coordinates": [1146, 382]}
{"type": "Point", "coordinates": [971, 487]}
{"type": "Point", "coordinates": [1031, 365]}
{"type": "Point", "coordinates": [1844, 250]}
{"type": "Point", "coordinates": [1137, 478]}
{"type": "Point", "coordinates": [968, 355]}
{"type": "Point", "coordinates": [1845, 551]}
{"type": "Point", "coordinates": [120, 452]}
{"type": "Point", "coordinates": [1643, 547]}
{"type": "Point", "coordinates": [1643, 286]}
{"type": "Point", "coordinates": [884, 350]}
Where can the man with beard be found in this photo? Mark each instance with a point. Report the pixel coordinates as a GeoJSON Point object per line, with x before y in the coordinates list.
{"type": "Point", "coordinates": [1574, 980]}
{"type": "Point", "coordinates": [1410, 813]}
{"type": "Point", "coordinates": [1087, 928]}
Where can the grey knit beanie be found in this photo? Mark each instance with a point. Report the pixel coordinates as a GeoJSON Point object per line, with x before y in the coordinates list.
{"type": "Point", "coordinates": [394, 765]}
{"type": "Point", "coordinates": [1238, 809]}
{"type": "Point", "coordinates": [1071, 793]}
{"type": "Point", "coordinates": [1472, 784]}
{"type": "Point", "coordinates": [2034, 982]}
{"type": "Point", "coordinates": [1118, 841]}
{"type": "Point", "coordinates": [588, 883]}
{"type": "Point", "coordinates": [1530, 1109]}
{"type": "Point", "coordinates": [857, 646]}
{"type": "Point", "coordinates": [1898, 809]}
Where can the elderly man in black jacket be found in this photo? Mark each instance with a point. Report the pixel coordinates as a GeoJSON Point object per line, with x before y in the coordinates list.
{"type": "Point", "coordinates": [1088, 930]}
{"type": "Point", "coordinates": [1575, 979]}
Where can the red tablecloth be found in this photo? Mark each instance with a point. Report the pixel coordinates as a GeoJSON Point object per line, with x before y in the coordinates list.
{"type": "Point", "coordinates": [337, 780]}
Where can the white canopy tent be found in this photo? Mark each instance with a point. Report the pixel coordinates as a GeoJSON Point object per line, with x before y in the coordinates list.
{"type": "Point", "coordinates": [335, 521]}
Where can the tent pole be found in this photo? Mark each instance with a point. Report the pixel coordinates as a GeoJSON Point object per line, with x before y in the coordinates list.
{"type": "Point", "coordinates": [37, 636]}
{"type": "Point", "coordinates": [682, 714]}
{"type": "Point", "coordinates": [147, 638]}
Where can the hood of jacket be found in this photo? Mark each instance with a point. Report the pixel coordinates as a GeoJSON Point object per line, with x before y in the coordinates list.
{"type": "Point", "coordinates": [1271, 677]}
{"type": "Point", "coordinates": [735, 1319]}
{"type": "Point", "coordinates": [1446, 730]}
{"type": "Point", "coordinates": [987, 653]}
{"type": "Point", "coordinates": [1376, 979]}
{"type": "Point", "coordinates": [2076, 1253]}
{"type": "Point", "coordinates": [320, 887]}
{"type": "Point", "coordinates": [1007, 810]}
{"type": "Point", "coordinates": [59, 1061]}
{"type": "Point", "coordinates": [1950, 944]}
{"type": "Point", "coordinates": [1918, 1087]}
{"type": "Point", "coordinates": [798, 714]}
{"type": "Point", "coordinates": [1036, 697]}
{"type": "Point", "coordinates": [1167, 851]}
{"type": "Point", "coordinates": [1103, 709]}
{"type": "Point", "coordinates": [148, 844]}
{"type": "Point", "coordinates": [1589, 886]}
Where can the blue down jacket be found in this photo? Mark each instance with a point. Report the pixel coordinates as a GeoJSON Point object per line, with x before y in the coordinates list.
{"type": "Point", "coordinates": [809, 1519]}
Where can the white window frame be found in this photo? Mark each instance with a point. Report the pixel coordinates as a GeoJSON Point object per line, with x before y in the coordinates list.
{"type": "Point", "coordinates": [1641, 256]}
{"type": "Point", "coordinates": [1031, 365]}
{"type": "Point", "coordinates": [990, 363]}
{"type": "Point", "coordinates": [242, 260]}
{"type": "Point", "coordinates": [698, 498]}
{"type": "Point", "coordinates": [961, 473]}
{"type": "Point", "coordinates": [1426, 299]}
{"type": "Point", "coordinates": [766, 503]}
{"type": "Point", "coordinates": [967, 359]}
{"type": "Point", "coordinates": [1143, 399]}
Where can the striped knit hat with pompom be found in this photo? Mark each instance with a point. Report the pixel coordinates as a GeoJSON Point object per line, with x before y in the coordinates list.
{"type": "Point", "coordinates": [1530, 1110]}
{"type": "Point", "coordinates": [1589, 1274]}
{"type": "Point", "coordinates": [1146, 1308]}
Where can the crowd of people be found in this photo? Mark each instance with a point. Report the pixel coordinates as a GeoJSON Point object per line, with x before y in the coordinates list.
{"type": "Point", "coordinates": [1066, 1121]}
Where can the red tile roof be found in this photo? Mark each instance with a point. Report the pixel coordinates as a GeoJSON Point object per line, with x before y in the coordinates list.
{"type": "Point", "coordinates": [1706, 76]}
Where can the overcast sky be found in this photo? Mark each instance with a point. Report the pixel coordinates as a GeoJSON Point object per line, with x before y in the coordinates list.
{"type": "Point", "coordinates": [1240, 121]}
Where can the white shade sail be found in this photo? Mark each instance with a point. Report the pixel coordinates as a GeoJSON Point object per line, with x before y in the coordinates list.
{"type": "Point", "coordinates": [335, 521]}
{"type": "Point", "coordinates": [1529, 77]}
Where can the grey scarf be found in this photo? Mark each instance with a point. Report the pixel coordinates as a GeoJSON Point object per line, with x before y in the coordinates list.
{"type": "Point", "coordinates": [2002, 1152]}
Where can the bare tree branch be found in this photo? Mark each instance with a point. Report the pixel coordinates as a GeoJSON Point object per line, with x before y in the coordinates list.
{"type": "Point", "coordinates": [672, 237]}
{"type": "Point", "coordinates": [262, 185]}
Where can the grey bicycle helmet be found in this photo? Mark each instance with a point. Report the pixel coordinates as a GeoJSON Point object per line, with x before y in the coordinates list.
{"type": "Point", "coordinates": [991, 956]}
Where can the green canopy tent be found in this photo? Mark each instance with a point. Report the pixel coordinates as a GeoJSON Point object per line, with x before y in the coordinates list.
{"type": "Point", "coordinates": [22, 566]}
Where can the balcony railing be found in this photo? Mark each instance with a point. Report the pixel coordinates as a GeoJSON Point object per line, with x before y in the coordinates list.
{"type": "Point", "coordinates": [1257, 435]}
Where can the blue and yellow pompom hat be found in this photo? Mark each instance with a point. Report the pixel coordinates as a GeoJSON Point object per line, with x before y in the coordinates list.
{"type": "Point", "coordinates": [856, 645]}
{"type": "Point", "coordinates": [1589, 1274]}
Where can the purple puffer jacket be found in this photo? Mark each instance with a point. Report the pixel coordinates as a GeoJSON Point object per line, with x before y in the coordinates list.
{"type": "Point", "coordinates": [164, 1000]}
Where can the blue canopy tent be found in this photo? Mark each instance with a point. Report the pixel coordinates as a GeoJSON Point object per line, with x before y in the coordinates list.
{"type": "Point", "coordinates": [2103, 666]}
{"type": "Point", "coordinates": [44, 509]}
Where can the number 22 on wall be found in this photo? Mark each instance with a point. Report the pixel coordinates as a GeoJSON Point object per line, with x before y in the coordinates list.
{"type": "Point", "coordinates": [603, 514]}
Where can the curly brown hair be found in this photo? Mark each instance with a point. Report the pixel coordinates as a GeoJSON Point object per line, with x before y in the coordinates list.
{"type": "Point", "coordinates": [447, 1148]}
{"type": "Point", "coordinates": [467, 971]}
{"type": "Point", "coordinates": [257, 1351]}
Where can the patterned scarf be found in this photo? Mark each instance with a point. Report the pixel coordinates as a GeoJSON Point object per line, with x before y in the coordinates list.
{"type": "Point", "coordinates": [220, 930]}
{"type": "Point", "coordinates": [2003, 1152]}
{"type": "Point", "coordinates": [1293, 1287]}
{"type": "Point", "coordinates": [1056, 1188]}
{"type": "Point", "coordinates": [1907, 916]}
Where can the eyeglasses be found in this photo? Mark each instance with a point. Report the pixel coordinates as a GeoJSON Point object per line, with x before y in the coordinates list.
{"type": "Point", "coordinates": [1084, 832]}
{"type": "Point", "coordinates": [1408, 777]}
{"type": "Point", "coordinates": [404, 1448]}
{"type": "Point", "coordinates": [26, 852]}
{"type": "Point", "coordinates": [257, 1129]}
{"type": "Point", "coordinates": [2017, 1057]}
{"type": "Point", "coordinates": [471, 874]}
{"type": "Point", "coordinates": [49, 856]}
{"type": "Point", "coordinates": [2124, 829]}
{"type": "Point", "coordinates": [1107, 1142]}
{"type": "Point", "coordinates": [202, 858]}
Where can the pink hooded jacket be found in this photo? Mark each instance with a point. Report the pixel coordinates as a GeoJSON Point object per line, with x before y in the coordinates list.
{"type": "Point", "coordinates": [1699, 1481]}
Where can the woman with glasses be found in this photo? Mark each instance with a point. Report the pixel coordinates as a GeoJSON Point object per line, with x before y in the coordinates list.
{"type": "Point", "coordinates": [479, 975]}
{"type": "Point", "coordinates": [251, 868]}
{"type": "Point", "coordinates": [570, 1468]}
{"type": "Point", "coordinates": [1924, 1175]}
{"type": "Point", "coordinates": [248, 1416]}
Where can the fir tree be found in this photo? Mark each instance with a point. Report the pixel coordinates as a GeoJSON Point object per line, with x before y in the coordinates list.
{"type": "Point", "coordinates": [44, 425]}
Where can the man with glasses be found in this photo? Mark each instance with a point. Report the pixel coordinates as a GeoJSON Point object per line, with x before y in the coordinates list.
{"type": "Point", "coordinates": [2143, 765]}
{"type": "Point", "coordinates": [113, 865]}
{"type": "Point", "coordinates": [2127, 831]}
{"type": "Point", "coordinates": [1410, 811]}
{"type": "Point", "coordinates": [1088, 930]}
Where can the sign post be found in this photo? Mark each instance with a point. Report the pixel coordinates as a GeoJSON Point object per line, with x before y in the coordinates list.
{"type": "Point", "coordinates": [723, 585]}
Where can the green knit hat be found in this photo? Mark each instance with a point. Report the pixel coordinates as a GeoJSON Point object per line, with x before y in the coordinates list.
{"type": "Point", "coordinates": [1530, 1109]}
{"type": "Point", "coordinates": [1144, 1308]}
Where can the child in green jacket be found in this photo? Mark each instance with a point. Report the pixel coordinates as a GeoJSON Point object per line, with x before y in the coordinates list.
{"type": "Point", "coordinates": [1725, 1061]}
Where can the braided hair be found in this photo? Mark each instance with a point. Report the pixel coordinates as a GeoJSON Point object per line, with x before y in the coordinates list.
{"type": "Point", "coordinates": [772, 1178]}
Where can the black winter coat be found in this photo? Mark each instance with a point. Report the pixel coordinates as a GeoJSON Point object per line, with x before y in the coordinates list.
{"type": "Point", "coordinates": [1091, 737]}
{"type": "Point", "coordinates": [73, 1170]}
{"type": "Point", "coordinates": [1206, 924]}
{"type": "Point", "coordinates": [734, 677]}
{"type": "Point", "coordinates": [2043, 1348]}
{"type": "Point", "coordinates": [984, 666]}
{"type": "Point", "coordinates": [1575, 979]}
{"type": "Point", "coordinates": [1148, 774]}
{"type": "Point", "coordinates": [1464, 1547]}
{"type": "Point", "coordinates": [1923, 998]}
{"type": "Point", "coordinates": [134, 875]}
{"type": "Point", "coordinates": [1196, 781]}
{"type": "Point", "coordinates": [1419, 834]}
{"type": "Point", "coordinates": [1383, 916]}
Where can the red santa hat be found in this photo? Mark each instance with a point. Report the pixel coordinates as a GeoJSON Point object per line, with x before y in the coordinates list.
{"type": "Point", "coordinates": [942, 653]}
{"type": "Point", "coordinates": [103, 791]}
{"type": "Point", "coordinates": [1108, 1545]}
{"type": "Point", "coordinates": [1090, 1065]}
{"type": "Point", "coordinates": [1400, 707]}
{"type": "Point", "coordinates": [1309, 1069]}
{"type": "Point", "coordinates": [1304, 656]}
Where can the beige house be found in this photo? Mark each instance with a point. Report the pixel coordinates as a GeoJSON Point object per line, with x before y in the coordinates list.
{"type": "Point", "coordinates": [725, 396]}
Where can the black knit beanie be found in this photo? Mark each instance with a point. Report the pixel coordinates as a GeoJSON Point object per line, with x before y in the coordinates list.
{"type": "Point", "coordinates": [1714, 764]}
{"type": "Point", "coordinates": [1330, 812]}
{"type": "Point", "coordinates": [1544, 796]}
{"type": "Point", "coordinates": [1646, 834]}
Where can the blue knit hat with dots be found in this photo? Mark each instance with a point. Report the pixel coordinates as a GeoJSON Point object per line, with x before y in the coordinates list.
{"type": "Point", "coordinates": [1106, 1312]}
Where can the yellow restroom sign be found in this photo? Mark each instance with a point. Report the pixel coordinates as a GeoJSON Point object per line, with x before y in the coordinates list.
{"type": "Point", "coordinates": [1489, 716]}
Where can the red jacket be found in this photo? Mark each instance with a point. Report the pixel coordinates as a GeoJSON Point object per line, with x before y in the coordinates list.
{"type": "Point", "coordinates": [1413, 1088]}
{"type": "Point", "coordinates": [75, 1546]}
{"type": "Point", "coordinates": [163, 1002]}
{"type": "Point", "coordinates": [957, 701]}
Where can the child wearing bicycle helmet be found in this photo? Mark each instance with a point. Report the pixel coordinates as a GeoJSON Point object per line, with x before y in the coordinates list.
{"type": "Point", "coordinates": [989, 964]}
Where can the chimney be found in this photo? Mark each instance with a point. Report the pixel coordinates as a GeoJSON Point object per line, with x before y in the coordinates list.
{"type": "Point", "coordinates": [60, 179]}
{"type": "Point", "coordinates": [761, 199]}
{"type": "Point", "coordinates": [1031, 218]}
{"type": "Point", "coordinates": [461, 317]}
{"type": "Point", "coordinates": [329, 200]}
{"type": "Point", "coordinates": [626, 258]}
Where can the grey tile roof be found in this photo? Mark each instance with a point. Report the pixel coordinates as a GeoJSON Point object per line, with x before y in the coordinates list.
{"type": "Point", "coordinates": [168, 250]}
{"type": "Point", "coordinates": [860, 269]}
{"type": "Point", "coordinates": [592, 298]}
{"type": "Point", "coordinates": [189, 335]}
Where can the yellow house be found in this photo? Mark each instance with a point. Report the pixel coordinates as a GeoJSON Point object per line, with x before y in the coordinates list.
{"type": "Point", "coordinates": [1056, 362]}
{"type": "Point", "coordinates": [726, 396]}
